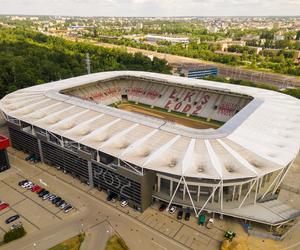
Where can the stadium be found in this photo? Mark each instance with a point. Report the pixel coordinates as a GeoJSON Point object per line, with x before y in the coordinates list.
{"type": "Point", "coordinates": [214, 147]}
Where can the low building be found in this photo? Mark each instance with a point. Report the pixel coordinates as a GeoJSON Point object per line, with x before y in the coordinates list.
{"type": "Point", "coordinates": [154, 38]}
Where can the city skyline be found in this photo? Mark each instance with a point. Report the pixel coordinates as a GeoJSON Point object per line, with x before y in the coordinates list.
{"type": "Point", "coordinates": [154, 8]}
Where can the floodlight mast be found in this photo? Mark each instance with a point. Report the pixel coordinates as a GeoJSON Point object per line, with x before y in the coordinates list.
{"type": "Point", "coordinates": [88, 63]}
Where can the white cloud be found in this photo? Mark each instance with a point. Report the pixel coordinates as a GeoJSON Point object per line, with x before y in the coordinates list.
{"type": "Point", "coordinates": [151, 7]}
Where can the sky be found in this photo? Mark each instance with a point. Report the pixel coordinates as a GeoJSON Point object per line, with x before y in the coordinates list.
{"type": "Point", "coordinates": [151, 7]}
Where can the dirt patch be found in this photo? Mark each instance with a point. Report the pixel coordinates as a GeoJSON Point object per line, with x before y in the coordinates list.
{"type": "Point", "coordinates": [251, 243]}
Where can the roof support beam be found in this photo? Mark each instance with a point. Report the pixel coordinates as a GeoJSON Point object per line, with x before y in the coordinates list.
{"type": "Point", "coordinates": [211, 195]}
{"type": "Point", "coordinates": [283, 176]}
{"type": "Point", "coordinates": [271, 185]}
{"type": "Point", "coordinates": [171, 200]}
{"type": "Point", "coordinates": [188, 191]}
{"type": "Point", "coordinates": [246, 196]}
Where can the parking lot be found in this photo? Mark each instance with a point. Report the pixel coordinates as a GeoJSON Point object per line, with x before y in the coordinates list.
{"type": "Point", "coordinates": [35, 213]}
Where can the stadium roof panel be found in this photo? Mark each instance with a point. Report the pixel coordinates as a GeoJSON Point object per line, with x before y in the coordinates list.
{"type": "Point", "coordinates": [264, 136]}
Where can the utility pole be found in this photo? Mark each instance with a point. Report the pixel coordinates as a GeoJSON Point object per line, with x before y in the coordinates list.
{"type": "Point", "coordinates": [88, 63]}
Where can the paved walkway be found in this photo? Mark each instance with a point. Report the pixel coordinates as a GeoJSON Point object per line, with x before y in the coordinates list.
{"type": "Point", "coordinates": [97, 236]}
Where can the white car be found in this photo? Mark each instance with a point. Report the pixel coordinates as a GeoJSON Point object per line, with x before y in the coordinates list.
{"type": "Point", "coordinates": [46, 196]}
{"type": "Point", "coordinates": [124, 203]}
{"type": "Point", "coordinates": [172, 209]}
{"type": "Point", "coordinates": [52, 197]}
{"type": "Point", "coordinates": [30, 186]}
{"type": "Point", "coordinates": [26, 184]}
{"type": "Point", "coordinates": [68, 208]}
{"type": "Point", "coordinates": [64, 205]}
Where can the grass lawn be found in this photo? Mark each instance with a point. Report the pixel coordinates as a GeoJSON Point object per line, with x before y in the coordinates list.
{"type": "Point", "coordinates": [73, 243]}
{"type": "Point", "coordinates": [116, 243]}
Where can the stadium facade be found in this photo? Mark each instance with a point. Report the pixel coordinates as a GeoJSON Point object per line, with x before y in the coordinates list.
{"type": "Point", "coordinates": [234, 168]}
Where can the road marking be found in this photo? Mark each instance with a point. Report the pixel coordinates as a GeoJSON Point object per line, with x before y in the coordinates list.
{"type": "Point", "coordinates": [44, 183]}
{"type": "Point", "coordinates": [162, 247]}
{"type": "Point", "coordinates": [26, 219]}
{"type": "Point", "coordinates": [33, 201]}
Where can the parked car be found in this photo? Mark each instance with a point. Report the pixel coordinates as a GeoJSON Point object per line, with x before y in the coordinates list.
{"type": "Point", "coordinates": [187, 214]}
{"type": "Point", "coordinates": [201, 219]}
{"type": "Point", "coordinates": [124, 203]}
{"type": "Point", "coordinates": [17, 225]}
{"type": "Point", "coordinates": [179, 214]}
{"type": "Point", "coordinates": [162, 207]}
{"type": "Point", "coordinates": [28, 157]}
{"type": "Point", "coordinates": [46, 196]}
{"type": "Point", "coordinates": [43, 193]}
{"type": "Point", "coordinates": [64, 205]}
{"type": "Point", "coordinates": [30, 185]}
{"type": "Point", "coordinates": [210, 223]}
{"type": "Point", "coordinates": [26, 184]}
{"type": "Point", "coordinates": [68, 208]}
{"type": "Point", "coordinates": [56, 200]}
{"type": "Point", "coordinates": [3, 206]}
{"type": "Point", "coordinates": [35, 188]}
{"type": "Point", "coordinates": [59, 203]}
{"type": "Point", "coordinates": [22, 182]}
{"type": "Point", "coordinates": [172, 209]}
{"type": "Point", "coordinates": [111, 197]}
{"type": "Point", "coordinates": [12, 218]}
{"type": "Point", "coordinates": [40, 191]}
{"type": "Point", "coordinates": [52, 197]}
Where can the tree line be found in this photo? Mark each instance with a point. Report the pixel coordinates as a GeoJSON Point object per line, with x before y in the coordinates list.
{"type": "Point", "coordinates": [28, 58]}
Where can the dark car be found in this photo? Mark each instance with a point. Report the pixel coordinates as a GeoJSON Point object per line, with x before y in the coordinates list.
{"type": "Point", "coordinates": [42, 190]}
{"type": "Point", "coordinates": [22, 182]}
{"type": "Point", "coordinates": [43, 193]}
{"type": "Point", "coordinates": [111, 197]}
{"type": "Point", "coordinates": [12, 218]}
{"type": "Point", "coordinates": [57, 199]}
{"type": "Point", "coordinates": [162, 207]}
{"type": "Point", "coordinates": [187, 214]}
{"type": "Point", "coordinates": [179, 215]}
{"type": "Point", "coordinates": [28, 157]}
{"type": "Point", "coordinates": [59, 203]}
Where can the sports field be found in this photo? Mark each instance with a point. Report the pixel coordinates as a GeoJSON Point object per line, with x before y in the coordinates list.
{"type": "Point", "coordinates": [179, 118]}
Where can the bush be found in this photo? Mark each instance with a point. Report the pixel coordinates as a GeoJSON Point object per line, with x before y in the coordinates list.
{"type": "Point", "coordinates": [14, 234]}
{"type": "Point", "coordinates": [116, 243]}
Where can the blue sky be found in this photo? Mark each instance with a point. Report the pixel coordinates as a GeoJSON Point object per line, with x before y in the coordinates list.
{"type": "Point", "coordinates": [151, 7]}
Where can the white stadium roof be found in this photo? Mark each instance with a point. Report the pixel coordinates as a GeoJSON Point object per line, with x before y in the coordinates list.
{"type": "Point", "coordinates": [263, 137]}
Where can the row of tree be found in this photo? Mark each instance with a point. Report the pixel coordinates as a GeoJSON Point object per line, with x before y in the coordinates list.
{"type": "Point", "coordinates": [28, 58]}
{"type": "Point", "coordinates": [279, 61]}
{"type": "Point", "coordinates": [295, 92]}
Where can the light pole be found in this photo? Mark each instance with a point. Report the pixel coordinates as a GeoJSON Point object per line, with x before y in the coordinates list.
{"type": "Point", "coordinates": [34, 245]}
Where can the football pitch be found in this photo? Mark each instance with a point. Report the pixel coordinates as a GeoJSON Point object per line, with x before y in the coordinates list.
{"type": "Point", "coordinates": [176, 117]}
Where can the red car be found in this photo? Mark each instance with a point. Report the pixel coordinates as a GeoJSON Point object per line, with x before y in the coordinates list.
{"type": "Point", "coordinates": [162, 207]}
{"type": "Point", "coordinates": [36, 188]}
{"type": "Point", "coordinates": [3, 206]}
